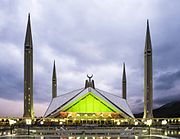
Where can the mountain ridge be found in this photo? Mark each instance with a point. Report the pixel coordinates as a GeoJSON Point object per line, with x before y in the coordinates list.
{"type": "Point", "coordinates": [169, 110]}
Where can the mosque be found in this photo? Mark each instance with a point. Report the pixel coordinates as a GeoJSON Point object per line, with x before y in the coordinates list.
{"type": "Point", "coordinates": [87, 102]}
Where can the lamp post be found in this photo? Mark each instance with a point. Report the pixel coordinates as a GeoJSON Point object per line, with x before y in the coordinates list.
{"type": "Point", "coordinates": [28, 123]}
{"type": "Point", "coordinates": [149, 123]}
{"type": "Point", "coordinates": [11, 123]}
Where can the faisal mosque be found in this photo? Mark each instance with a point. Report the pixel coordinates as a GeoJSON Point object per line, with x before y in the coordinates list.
{"type": "Point", "coordinates": [87, 102]}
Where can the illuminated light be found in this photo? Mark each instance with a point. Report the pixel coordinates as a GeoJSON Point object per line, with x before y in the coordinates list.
{"type": "Point", "coordinates": [70, 114]}
{"type": "Point", "coordinates": [78, 115]}
{"type": "Point", "coordinates": [94, 115]}
{"type": "Point", "coordinates": [136, 137]}
{"type": "Point", "coordinates": [118, 123]}
{"type": "Point", "coordinates": [28, 121]}
{"type": "Point", "coordinates": [85, 138]}
{"type": "Point", "coordinates": [165, 133]}
{"type": "Point", "coordinates": [78, 137]}
{"type": "Point", "coordinates": [93, 137]}
{"type": "Point", "coordinates": [42, 137]}
{"type": "Point", "coordinates": [70, 137]}
{"type": "Point", "coordinates": [109, 115]}
{"type": "Point", "coordinates": [108, 137]}
{"type": "Point", "coordinates": [42, 122]}
{"type": "Point", "coordinates": [60, 122]}
{"type": "Point", "coordinates": [164, 122]}
{"type": "Point", "coordinates": [11, 122]}
{"type": "Point", "coordinates": [104, 119]}
{"type": "Point", "coordinates": [102, 115]}
{"type": "Point", "coordinates": [86, 115]}
{"type": "Point", "coordinates": [136, 123]}
{"type": "Point", "coordinates": [101, 137]}
{"type": "Point", "coordinates": [149, 122]}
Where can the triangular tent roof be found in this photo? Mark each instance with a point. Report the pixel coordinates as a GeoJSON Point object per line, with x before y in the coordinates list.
{"type": "Point", "coordinates": [67, 101]}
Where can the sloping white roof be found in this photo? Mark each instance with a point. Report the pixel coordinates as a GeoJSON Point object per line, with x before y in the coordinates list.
{"type": "Point", "coordinates": [60, 102]}
{"type": "Point", "coordinates": [118, 101]}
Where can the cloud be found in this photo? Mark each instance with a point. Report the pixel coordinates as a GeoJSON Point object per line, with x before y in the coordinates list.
{"type": "Point", "coordinates": [90, 37]}
{"type": "Point", "coordinates": [17, 111]}
{"type": "Point", "coordinates": [167, 80]}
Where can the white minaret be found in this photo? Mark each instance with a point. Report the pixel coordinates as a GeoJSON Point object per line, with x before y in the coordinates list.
{"type": "Point", "coordinates": [28, 73]}
{"type": "Point", "coordinates": [148, 82]}
{"type": "Point", "coordinates": [54, 82]}
{"type": "Point", "coordinates": [124, 95]}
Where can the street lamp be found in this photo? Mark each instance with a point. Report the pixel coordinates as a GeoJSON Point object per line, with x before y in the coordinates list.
{"type": "Point", "coordinates": [28, 123]}
{"type": "Point", "coordinates": [149, 123]}
{"type": "Point", "coordinates": [164, 122]}
{"type": "Point", "coordinates": [42, 122]}
{"type": "Point", "coordinates": [136, 123]}
{"type": "Point", "coordinates": [11, 123]}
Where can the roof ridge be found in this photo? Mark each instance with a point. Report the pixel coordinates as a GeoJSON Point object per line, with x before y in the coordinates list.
{"type": "Point", "coordinates": [108, 93]}
{"type": "Point", "coordinates": [70, 92]}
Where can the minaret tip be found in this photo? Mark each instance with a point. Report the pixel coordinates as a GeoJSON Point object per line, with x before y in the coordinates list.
{"type": "Point", "coordinates": [124, 82]}
{"type": "Point", "coordinates": [54, 70]}
{"type": "Point", "coordinates": [28, 15]}
{"type": "Point", "coordinates": [54, 82]}
{"type": "Point", "coordinates": [148, 37]}
{"type": "Point", "coordinates": [124, 70]}
{"type": "Point", "coordinates": [28, 37]}
{"type": "Point", "coordinates": [148, 24]}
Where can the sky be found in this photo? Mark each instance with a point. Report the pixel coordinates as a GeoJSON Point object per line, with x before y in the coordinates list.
{"type": "Point", "coordinates": [89, 37]}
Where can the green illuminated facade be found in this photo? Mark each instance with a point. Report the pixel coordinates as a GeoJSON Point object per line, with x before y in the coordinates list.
{"type": "Point", "coordinates": [89, 103]}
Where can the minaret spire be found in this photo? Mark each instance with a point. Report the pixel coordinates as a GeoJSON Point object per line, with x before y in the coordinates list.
{"type": "Point", "coordinates": [54, 82]}
{"type": "Point", "coordinates": [28, 38]}
{"type": "Point", "coordinates": [148, 82]}
{"type": "Point", "coordinates": [148, 37]}
{"type": "Point", "coordinates": [124, 82]}
{"type": "Point", "coordinates": [28, 73]}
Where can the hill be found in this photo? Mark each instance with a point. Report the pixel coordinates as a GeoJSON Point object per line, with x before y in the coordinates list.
{"type": "Point", "coordinates": [169, 110]}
